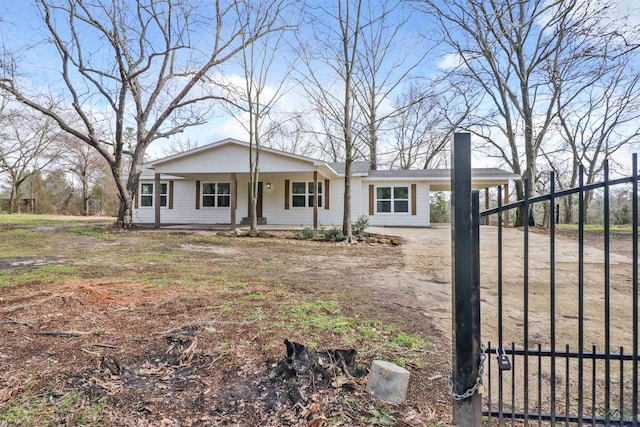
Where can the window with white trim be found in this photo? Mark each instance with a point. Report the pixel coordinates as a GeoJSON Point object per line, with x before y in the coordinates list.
{"type": "Point", "coordinates": [392, 199]}
{"type": "Point", "coordinates": [147, 194]}
{"type": "Point", "coordinates": [216, 194]}
{"type": "Point", "coordinates": [302, 194]}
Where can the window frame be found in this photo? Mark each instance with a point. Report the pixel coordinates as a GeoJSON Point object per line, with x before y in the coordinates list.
{"type": "Point", "coordinates": [392, 199]}
{"type": "Point", "coordinates": [164, 195]}
{"type": "Point", "coordinates": [307, 195]}
{"type": "Point", "coordinates": [216, 195]}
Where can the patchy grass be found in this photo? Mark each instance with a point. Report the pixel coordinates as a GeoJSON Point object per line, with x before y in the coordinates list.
{"type": "Point", "coordinates": [55, 408]}
{"type": "Point", "coordinates": [42, 275]}
{"type": "Point", "coordinates": [596, 227]}
{"type": "Point", "coordinates": [48, 220]}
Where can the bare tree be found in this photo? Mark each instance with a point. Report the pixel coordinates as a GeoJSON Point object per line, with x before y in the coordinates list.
{"type": "Point", "coordinates": [426, 120]}
{"type": "Point", "coordinates": [595, 118]}
{"type": "Point", "coordinates": [259, 92]}
{"type": "Point", "coordinates": [28, 146]}
{"type": "Point", "coordinates": [179, 144]}
{"type": "Point", "coordinates": [290, 135]}
{"type": "Point", "coordinates": [508, 48]}
{"type": "Point", "coordinates": [385, 59]}
{"type": "Point", "coordinates": [336, 42]}
{"type": "Point", "coordinates": [145, 64]}
{"type": "Point", "coordinates": [85, 163]}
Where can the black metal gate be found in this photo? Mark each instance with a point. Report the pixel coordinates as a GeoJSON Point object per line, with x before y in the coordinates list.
{"type": "Point", "coordinates": [565, 341]}
{"type": "Point", "coordinates": [561, 336]}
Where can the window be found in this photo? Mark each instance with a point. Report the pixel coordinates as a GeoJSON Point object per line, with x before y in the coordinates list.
{"type": "Point", "coordinates": [392, 199]}
{"type": "Point", "coordinates": [302, 194]}
{"type": "Point", "coordinates": [146, 194]}
{"type": "Point", "coordinates": [216, 194]}
{"type": "Point", "coordinates": [163, 195]}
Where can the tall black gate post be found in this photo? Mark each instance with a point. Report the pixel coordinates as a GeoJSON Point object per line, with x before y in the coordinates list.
{"type": "Point", "coordinates": [467, 410]}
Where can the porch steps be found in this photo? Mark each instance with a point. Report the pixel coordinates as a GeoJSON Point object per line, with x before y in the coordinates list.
{"type": "Point", "coordinates": [262, 220]}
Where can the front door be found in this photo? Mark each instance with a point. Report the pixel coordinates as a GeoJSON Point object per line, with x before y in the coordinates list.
{"type": "Point", "coordinates": [258, 201]}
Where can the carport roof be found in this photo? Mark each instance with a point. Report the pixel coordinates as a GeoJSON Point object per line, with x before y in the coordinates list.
{"type": "Point", "coordinates": [361, 168]}
{"type": "Point", "coordinates": [444, 173]}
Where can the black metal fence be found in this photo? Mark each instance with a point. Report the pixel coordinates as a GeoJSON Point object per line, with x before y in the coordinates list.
{"type": "Point", "coordinates": [563, 331]}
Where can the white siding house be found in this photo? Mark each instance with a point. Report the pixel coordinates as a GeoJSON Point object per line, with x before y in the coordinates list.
{"type": "Point", "coordinates": [202, 185]}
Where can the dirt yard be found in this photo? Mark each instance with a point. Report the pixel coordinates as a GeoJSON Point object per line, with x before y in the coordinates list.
{"type": "Point", "coordinates": [168, 327]}
{"type": "Point", "coordinates": [186, 327]}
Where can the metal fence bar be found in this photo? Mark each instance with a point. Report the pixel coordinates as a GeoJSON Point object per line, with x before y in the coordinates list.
{"type": "Point", "coordinates": [563, 193]}
{"type": "Point", "coordinates": [552, 293]}
{"type": "Point", "coordinates": [607, 292]}
{"type": "Point", "coordinates": [567, 387]}
{"type": "Point", "coordinates": [621, 400]}
{"type": "Point", "coordinates": [539, 387]}
{"type": "Point", "coordinates": [572, 354]}
{"type": "Point", "coordinates": [581, 220]}
{"type": "Point", "coordinates": [500, 343]}
{"type": "Point", "coordinates": [489, 394]}
{"type": "Point", "coordinates": [525, 220]}
{"type": "Point", "coordinates": [635, 395]}
{"type": "Point", "coordinates": [594, 378]}
{"type": "Point", "coordinates": [513, 386]}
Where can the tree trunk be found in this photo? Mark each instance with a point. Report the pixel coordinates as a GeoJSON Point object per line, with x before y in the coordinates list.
{"type": "Point", "coordinates": [125, 212]}
{"type": "Point", "coordinates": [254, 161]}
{"type": "Point", "coordinates": [85, 197]}
{"type": "Point", "coordinates": [253, 214]}
{"type": "Point", "coordinates": [12, 207]}
{"type": "Point", "coordinates": [568, 209]}
{"type": "Point", "coordinates": [346, 217]}
{"type": "Point", "coordinates": [519, 221]}
{"type": "Point", "coordinates": [126, 192]}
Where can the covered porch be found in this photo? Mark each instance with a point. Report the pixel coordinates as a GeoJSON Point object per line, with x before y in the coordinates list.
{"type": "Point", "coordinates": [222, 200]}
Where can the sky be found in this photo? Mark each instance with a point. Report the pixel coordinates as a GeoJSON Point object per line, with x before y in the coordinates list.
{"type": "Point", "coordinates": [20, 24]}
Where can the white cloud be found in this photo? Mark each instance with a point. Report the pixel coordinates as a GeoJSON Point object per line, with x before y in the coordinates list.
{"type": "Point", "coordinates": [449, 61]}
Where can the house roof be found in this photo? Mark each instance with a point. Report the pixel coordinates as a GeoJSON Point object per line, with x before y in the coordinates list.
{"type": "Point", "coordinates": [171, 166]}
{"type": "Point", "coordinates": [357, 168]}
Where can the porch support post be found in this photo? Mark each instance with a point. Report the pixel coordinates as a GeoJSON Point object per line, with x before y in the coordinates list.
{"type": "Point", "coordinates": [506, 202]}
{"type": "Point", "coordinates": [234, 201]}
{"type": "Point", "coordinates": [465, 292]}
{"type": "Point", "coordinates": [156, 200]}
{"type": "Point", "coordinates": [486, 205]}
{"type": "Point", "coordinates": [315, 200]}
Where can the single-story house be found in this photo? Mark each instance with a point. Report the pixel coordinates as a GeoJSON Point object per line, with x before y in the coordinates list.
{"type": "Point", "coordinates": [210, 185]}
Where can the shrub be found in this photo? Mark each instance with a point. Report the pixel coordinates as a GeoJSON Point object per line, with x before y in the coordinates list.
{"type": "Point", "coordinates": [333, 234]}
{"type": "Point", "coordinates": [307, 233]}
{"type": "Point", "coordinates": [358, 227]}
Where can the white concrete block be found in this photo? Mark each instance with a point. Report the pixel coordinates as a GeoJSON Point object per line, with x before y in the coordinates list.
{"type": "Point", "coordinates": [388, 381]}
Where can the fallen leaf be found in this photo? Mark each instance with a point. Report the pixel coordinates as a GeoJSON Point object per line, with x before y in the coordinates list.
{"type": "Point", "coordinates": [317, 421]}
{"type": "Point", "coordinates": [311, 410]}
{"type": "Point", "coordinates": [339, 381]}
{"type": "Point", "coordinates": [7, 394]}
